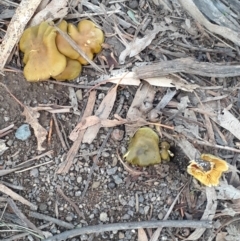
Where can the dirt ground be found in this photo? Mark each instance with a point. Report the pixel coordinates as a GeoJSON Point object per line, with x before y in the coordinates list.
{"type": "Point", "coordinates": [110, 193]}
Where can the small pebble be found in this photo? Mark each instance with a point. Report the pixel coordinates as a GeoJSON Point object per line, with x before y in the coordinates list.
{"type": "Point", "coordinates": [117, 179]}
{"type": "Point", "coordinates": [43, 207]}
{"type": "Point", "coordinates": [34, 172]}
{"type": "Point", "coordinates": [111, 185]}
{"type": "Point", "coordinates": [10, 142]}
{"type": "Point", "coordinates": [103, 217]}
{"type": "Point", "coordinates": [23, 132]}
{"type": "Point", "coordinates": [79, 179]}
{"type": "Point", "coordinates": [133, 4]}
{"type": "Point", "coordinates": [79, 94]}
{"type": "Point", "coordinates": [117, 134]}
{"type": "Point", "coordinates": [112, 171]}
{"type": "Point", "coordinates": [121, 235]}
{"type": "Point", "coordinates": [95, 185]}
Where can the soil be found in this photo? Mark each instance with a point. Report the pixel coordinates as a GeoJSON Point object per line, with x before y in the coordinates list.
{"type": "Point", "coordinates": [155, 192]}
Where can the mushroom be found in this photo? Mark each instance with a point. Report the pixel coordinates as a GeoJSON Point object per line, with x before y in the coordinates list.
{"type": "Point", "coordinates": [165, 152]}
{"type": "Point", "coordinates": [72, 71]}
{"type": "Point", "coordinates": [88, 37]}
{"type": "Point", "coordinates": [143, 148]}
{"type": "Point", "coordinates": [62, 44]}
{"type": "Point", "coordinates": [41, 56]}
{"type": "Point", "coordinates": [208, 170]}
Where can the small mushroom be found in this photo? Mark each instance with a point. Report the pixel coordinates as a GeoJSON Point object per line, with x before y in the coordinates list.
{"type": "Point", "coordinates": [208, 170]}
{"type": "Point", "coordinates": [41, 56]}
{"type": "Point", "coordinates": [143, 149]}
{"type": "Point", "coordinates": [165, 152]}
{"type": "Point", "coordinates": [72, 71]}
{"type": "Point", "coordinates": [88, 37]}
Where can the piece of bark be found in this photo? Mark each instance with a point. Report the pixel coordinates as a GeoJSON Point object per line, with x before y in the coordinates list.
{"type": "Point", "coordinates": [189, 66]}
{"type": "Point", "coordinates": [65, 166]}
{"type": "Point", "coordinates": [15, 29]}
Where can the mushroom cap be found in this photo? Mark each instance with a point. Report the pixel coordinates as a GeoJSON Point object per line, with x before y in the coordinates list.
{"type": "Point", "coordinates": [208, 171]}
{"type": "Point", "coordinates": [88, 37]}
{"type": "Point", "coordinates": [63, 46]}
{"type": "Point", "coordinates": [41, 55]}
{"type": "Point", "coordinates": [72, 71]}
{"type": "Point", "coordinates": [143, 148]}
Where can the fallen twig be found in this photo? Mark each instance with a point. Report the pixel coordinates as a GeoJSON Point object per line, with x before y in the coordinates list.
{"type": "Point", "coordinates": [6, 130]}
{"type": "Point", "coordinates": [131, 225]}
{"type": "Point", "coordinates": [59, 132]}
{"type": "Point", "coordinates": [23, 218]}
{"type": "Point", "coordinates": [50, 219]}
{"type": "Point", "coordinates": [17, 197]}
{"type": "Point", "coordinates": [187, 65]}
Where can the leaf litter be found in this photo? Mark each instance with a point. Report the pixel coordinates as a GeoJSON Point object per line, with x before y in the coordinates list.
{"type": "Point", "coordinates": [209, 121]}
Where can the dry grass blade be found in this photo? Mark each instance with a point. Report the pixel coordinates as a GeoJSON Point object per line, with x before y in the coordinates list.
{"type": "Point", "coordinates": [21, 216]}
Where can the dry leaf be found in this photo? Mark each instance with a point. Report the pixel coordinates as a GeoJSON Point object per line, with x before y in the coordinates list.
{"type": "Point", "coordinates": [130, 78]}
{"type": "Point", "coordinates": [3, 147]}
{"type": "Point", "coordinates": [102, 112]}
{"type": "Point", "coordinates": [227, 192]}
{"type": "Point", "coordinates": [139, 44]}
{"type": "Point", "coordinates": [94, 120]}
{"type": "Point", "coordinates": [229, 122]}
{"type": "Point", "coordinates": [32, 119]}
{"type": "Point", "coordinates": [142, 236]}
{"type": "Point", "coordinates": [141, 105]}
{"type": "Point", "coordinates": [55, 9]}
{"type": "Point", "coordinates": [208, 214]}
{"type": "Point", "coordinates": [221, 236]}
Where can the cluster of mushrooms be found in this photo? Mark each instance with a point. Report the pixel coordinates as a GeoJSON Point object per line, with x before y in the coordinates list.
{"type": "Point", "coordinates": [47, 53]}
{"type": "Point", "coordinates": [143, 150]}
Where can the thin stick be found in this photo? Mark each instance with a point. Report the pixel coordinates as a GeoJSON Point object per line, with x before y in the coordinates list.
{"type": "Point", "coordinates": [50, 131]}
{"type": "Point", "coordinates": [59, 132]}
{"type": "Point", "coordinates": [50, 219]}
{"type": "Point", "coordinates": [80, 214]}
{"type": "Point", "coordinates": [39, 165]}
{"type": "Point", "coordinates": [16, 196]}
{"type": "Point", "coordinates": [131, 225]}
